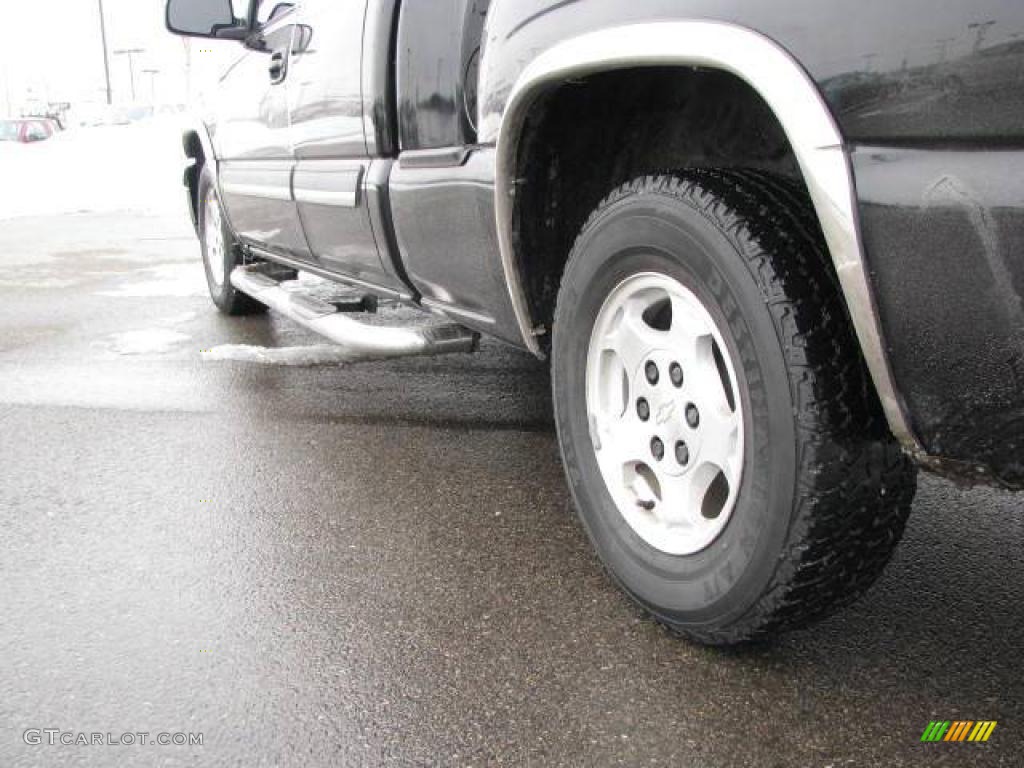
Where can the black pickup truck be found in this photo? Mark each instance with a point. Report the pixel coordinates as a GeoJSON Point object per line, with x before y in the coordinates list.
{"type": "Point", "coordinates": [774, 251]}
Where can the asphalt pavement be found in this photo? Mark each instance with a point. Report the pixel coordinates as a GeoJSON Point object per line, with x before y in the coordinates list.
{"type": "Point", "coordinates": [379, 563]}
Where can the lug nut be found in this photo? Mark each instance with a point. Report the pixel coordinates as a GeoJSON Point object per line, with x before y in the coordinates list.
{"type": "Point", "coordinates": [643, 409]}
{"type": "Point", "coordinates": [657, 448]}
{"type": "Point", "coordinates": [692, 415]}
{"type": "Point", "coordinates": [651, 372]}
{"type": "Point", "coordinates": [675, 372]}
{"type": "Point", "coordinates": [682, 454]}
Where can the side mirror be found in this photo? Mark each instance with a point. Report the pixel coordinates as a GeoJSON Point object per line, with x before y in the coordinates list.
{"type": "Point", "coordinates": [205, 18]}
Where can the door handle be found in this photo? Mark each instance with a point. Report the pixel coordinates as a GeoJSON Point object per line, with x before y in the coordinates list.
{"type": "Point", "coordinates": [277, 66]}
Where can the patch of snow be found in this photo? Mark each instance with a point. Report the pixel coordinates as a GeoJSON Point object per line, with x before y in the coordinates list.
{"type": "Point", "coordinates": [329, 290]}
{"type": "Point", "coordinates": [110, 168]}
{"type": "Point", "coordinates": [318, 354]}
{"type": "Point", "coordinates": [41, 283]}
{"type": "Point", "coordinates": [165, 280]}
{"type": "Point", "coordinates": [318, 287]}
{"type": "Point", "coordinates": [179, 319]}
{"type": "Point", "coordinates": [146, 250]}
{"type": "Point", "coordinates": [148, 341]}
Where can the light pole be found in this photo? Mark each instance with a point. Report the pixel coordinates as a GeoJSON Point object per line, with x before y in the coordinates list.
{"type": "Point", "coordinates": [131, 64]}
{"type": "Point", "coordinates": [152, 83]}
{"type": "Point", "coordinates": [106, 60]}
{"type": "Point", "coordinates": [943, 44]}
{"type": "Point", "coordinates": [187, 47]}
{"type": "Point", "coordinates": [7, 92]}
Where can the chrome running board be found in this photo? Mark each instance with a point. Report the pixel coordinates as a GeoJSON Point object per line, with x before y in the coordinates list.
{"type": "Point", "coordinates": [362, 339]}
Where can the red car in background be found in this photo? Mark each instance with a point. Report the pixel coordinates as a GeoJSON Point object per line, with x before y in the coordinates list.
{"type": "Point", "coordinates": [27, 129]}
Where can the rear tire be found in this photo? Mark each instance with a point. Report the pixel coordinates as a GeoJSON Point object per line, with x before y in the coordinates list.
{"type": "Point", "coordinates": [810, 518]}
{"type": "Point", "coordinates": [221, 251]}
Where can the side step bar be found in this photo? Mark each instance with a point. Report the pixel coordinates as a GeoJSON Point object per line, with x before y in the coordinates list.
{"type": "Point", "coordinates": [376, 341]}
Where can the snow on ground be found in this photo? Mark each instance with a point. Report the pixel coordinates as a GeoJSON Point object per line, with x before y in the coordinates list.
{"type": "Point", "coordinates": [134, 167]}
{"type": "Point", "coordinates": [148, 341]}
{"type": "Point", "coordinates": [317, 354]}
{"type": "Point", "coordinates": [164, 280]}
{"type": "Point", "coordinates": [45, 282]}
{"type": "Point", "coordinates": [158, 339]}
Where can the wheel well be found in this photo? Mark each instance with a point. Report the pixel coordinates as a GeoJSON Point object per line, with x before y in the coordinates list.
{"type": "Point", "coordinates": [585, 137]}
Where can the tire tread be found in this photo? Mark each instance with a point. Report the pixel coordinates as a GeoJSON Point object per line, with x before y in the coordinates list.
{"type": "Point", "coordinates": [854, 484]}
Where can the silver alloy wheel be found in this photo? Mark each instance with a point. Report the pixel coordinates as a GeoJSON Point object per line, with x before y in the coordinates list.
{"type": "Point", "coordinates": [665, 415]}
{"type": "Point", "coordinates": [214, 236]}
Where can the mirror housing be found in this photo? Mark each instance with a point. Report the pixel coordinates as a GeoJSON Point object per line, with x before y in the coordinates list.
{"type": "Point", "coordinates": [205, 18]}
{"type": "Point", "coordinates": [279, 10]}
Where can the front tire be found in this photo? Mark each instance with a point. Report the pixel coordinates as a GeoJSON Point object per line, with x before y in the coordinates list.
{"type": "Point", "coordinates": [221, 252]}
{"type": "Point", "coordinates": [726, 452]}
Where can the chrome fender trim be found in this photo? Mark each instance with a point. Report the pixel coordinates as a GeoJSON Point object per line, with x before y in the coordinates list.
{"type": "Point", "coordinates": [788, 91]}
{"type": "Point", "coordinates": [194, 124]}
{"type": "Point", "coordinates": [197, 149]}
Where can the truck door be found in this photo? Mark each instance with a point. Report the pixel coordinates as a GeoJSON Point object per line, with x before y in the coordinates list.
{"type": "Point", "coordinates": [252, 140]}
{"type": "Point", "coordinates": [327, 131]}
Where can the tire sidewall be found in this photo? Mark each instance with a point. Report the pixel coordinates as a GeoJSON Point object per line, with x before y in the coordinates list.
{"type": "Point", "coordinates": [659, 233]}
{"type": "Point", "coordinates": [221, 294]}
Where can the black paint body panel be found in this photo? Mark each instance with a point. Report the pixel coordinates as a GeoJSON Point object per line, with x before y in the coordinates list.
{"type": "Point", "coordinates": [891, 70]}
{"type": "Point", "coordinates": [448, 241]}
{"type": "Point", "coordinates": [944, 235]}
{"type": "Point", "coordinates": [437, 58]}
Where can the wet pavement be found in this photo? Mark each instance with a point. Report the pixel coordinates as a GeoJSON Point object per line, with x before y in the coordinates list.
{"type": "Point", "coordinates": [378, 564]}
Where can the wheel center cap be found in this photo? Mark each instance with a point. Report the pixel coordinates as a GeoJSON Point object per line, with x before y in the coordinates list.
{"type": "Point", "coordinates": [667, 422]}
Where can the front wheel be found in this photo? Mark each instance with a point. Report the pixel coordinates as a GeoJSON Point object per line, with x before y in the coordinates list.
{"type": "Point", "coordinates": [725, 450]}
{"type": "Point", "coordinates": [221, 252]}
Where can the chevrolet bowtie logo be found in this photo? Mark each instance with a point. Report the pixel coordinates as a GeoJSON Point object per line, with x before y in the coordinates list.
{"type": "Point", "coordinates": [665, 411]}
